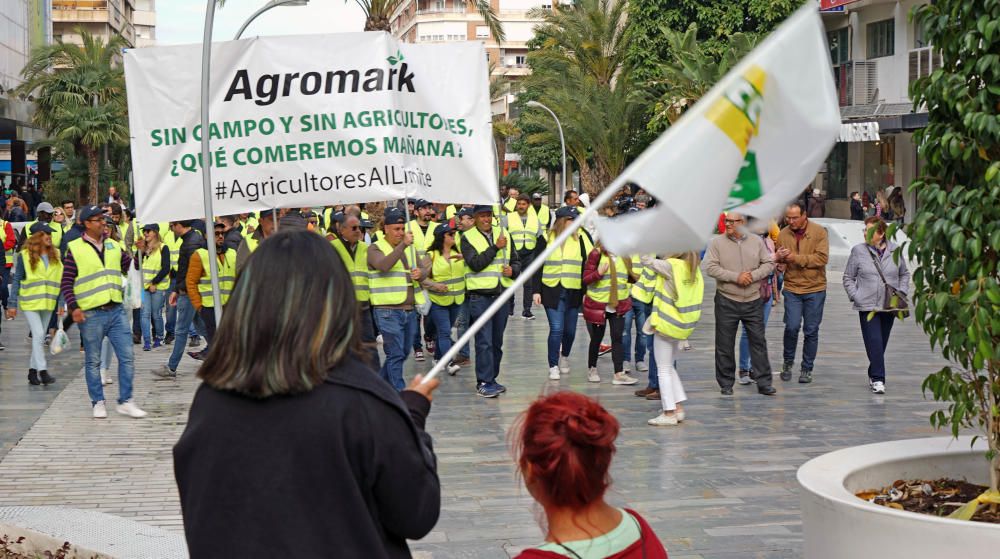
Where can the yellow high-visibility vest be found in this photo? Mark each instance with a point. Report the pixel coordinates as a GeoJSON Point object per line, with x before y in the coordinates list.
{"type": "Point", "coordinates": [174, 243]}
{"type": "Point", "coordinates": [422, 241]}
{"type": "Point", "coordinates": [57, 233]}
{"type": "Point", "coordinates": [389, 288]}
{"type": "Point", "coordinates": [600, 290]}
{"type": "Point", "coordinates": [642, 290]}
{"type": "Point", "coordinates": [677, 319]}
{"type": "Point", "coordinates": [151, 268]}
{"type": "Point", "coordinates": [491, 275]}
{"type": "Point", "coordinates": [510, 205]}
{"type": "Point", "coordinates": [357, 266]}
{"type": "Point", "coordinates": [40, 288]}
{"type": "Point", "coordinates": [97, 282]}
{"type": "Point", "coordinates": [543, 214]}
{"type": "Point", "coordinates": [565, 265]}
{"type": "Point", "coordinates": [450, 273]}
{"type": "Point", "coordinates": [523, 235]}
{"type": "Point", "coordinates": [227, 277]}
{"type": "Point", "coordinates": [450, 211]}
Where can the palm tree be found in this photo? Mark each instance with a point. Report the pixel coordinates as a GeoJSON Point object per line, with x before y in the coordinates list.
{"type": "Point", "coordinates": [379, 12]}
{"type": "Point", "coordinates": [79, 93]}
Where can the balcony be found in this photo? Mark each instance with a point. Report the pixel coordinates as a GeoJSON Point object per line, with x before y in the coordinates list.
{"type": "Point", "coordinates": [922, 62]}
{"type": "Point", "coordinates": [444, 10]}
{"type": "Point", "coordinates": [856, 82]}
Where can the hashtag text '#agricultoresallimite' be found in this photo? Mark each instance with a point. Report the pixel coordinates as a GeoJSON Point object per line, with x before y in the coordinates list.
{"type": "Point", "coordinates": [384, 176]}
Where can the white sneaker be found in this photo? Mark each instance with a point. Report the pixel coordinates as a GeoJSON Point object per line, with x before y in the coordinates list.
{"type": "Point", "coordinates": [623, 378]}
{"type": "Point", "coordinates": [553, 373]}
{"type": "Point", "coordinates": [878, 387]}
{"type": "Point", "coordinates": [378, 339]}
{"type": "Point", "coordinates": [106, 377]}
{"type": "Point", "coordinates": [453, 368]}
{"type": "Point", "coordinates": [131, 410]}
{"type": "Point", "coordinates": [641, 366]}
{"type": "Point", "coordinates": [100, 411]}
{"type": "Point", "coordinates": [564, 365]}
{"type": "Point", "coordinates": [592, 375]}
{"type": "Point", "coordinates": [663, 420]}
{"type": "Point", "coordinates": [680, 415]}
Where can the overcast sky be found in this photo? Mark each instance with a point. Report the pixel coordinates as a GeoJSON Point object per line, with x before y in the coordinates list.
{"type": "Point", "coordinates": [182, 21]}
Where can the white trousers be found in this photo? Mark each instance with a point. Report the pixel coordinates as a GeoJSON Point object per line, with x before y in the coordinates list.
{"type": "Point", "coordinates": [671, 389]}
{"type": "Point", "coordinates": [37, 322]}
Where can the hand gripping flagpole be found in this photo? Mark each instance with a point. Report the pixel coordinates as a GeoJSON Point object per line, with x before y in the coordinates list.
{"type": "Point", "coordinates": [599, 202]}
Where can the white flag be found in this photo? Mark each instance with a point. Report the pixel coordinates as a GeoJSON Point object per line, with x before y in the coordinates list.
{"type": "Point", "coordinates": [750, 145]}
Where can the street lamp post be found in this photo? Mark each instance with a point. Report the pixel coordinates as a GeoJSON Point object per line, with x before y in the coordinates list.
{"type": "Point", "coordinates": [206, 168]}
{"type": "Point", "coordinates": [562, 139]}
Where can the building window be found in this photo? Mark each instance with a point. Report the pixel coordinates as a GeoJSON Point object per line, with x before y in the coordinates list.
{"type": "Point", "coordinates": [439, 5]}
{"type": "Point", "coordinates": [520, 60]}
{"type": "Point", "coordinates": [839, 52]}
{"type": "Point", "coordinates": [482, 32]}
{"type": "Point", "coordinates": [881, 38]}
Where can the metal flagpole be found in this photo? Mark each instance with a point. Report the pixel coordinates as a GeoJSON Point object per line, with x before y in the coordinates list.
{"type": "Point", "coordinates": [206, 154]}
{"type": "Point", "coordinates": [602, 199]}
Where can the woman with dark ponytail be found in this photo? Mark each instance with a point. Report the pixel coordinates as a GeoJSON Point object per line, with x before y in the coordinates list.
{"type": "Point", "coordinates": [563, 445]}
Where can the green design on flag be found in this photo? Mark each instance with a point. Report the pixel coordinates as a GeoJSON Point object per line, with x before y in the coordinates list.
{"type": "Point", "coordinates": [747, 186]}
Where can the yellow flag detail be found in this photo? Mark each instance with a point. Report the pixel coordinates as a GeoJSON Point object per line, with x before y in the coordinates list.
{"type": "Point", "coordinates": [737, 112]}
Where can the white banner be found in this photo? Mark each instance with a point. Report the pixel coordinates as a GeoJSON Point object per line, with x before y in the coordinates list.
{"type": "Point", "coordinates": [308, 121]}
{"type": "Point", "coordinates": [750, 145]}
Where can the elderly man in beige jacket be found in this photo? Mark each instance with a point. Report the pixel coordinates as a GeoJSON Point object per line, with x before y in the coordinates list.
{"type": "Point", "coordinates": [739, 262]}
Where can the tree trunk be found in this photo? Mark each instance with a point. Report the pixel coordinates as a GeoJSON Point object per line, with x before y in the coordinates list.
{"type": "Point", "coordinates": [588, 179]}
{"type": "Point", "coordinates": [88, 194]}
{"type": "Point", "coordinates": [501, 152]}
{"type": "Point", "coordinates": [604, 174]}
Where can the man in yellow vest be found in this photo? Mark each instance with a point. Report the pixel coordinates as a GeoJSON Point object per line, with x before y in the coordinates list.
{"type": "Point", "coordinates": [199, 284]}
{"type": "Point", "coordinates": [524, 229]}
{"type": "Point", "coordinates": [394, 287]}
{"type": "Point", "coordinates": [510, 204]}
{"type": "Point", "coordinates": [490, 266]}
{"type": "Point", "coordinates": [191, 241]}
{"type": "Point", "coordinates": [264, 229]}
{"type": "Point", "coordinates": [464, 221]}
{"type": "Point", "coordinates": [354, 253]}
{"type": "Point", "coordinates": [541, 210]}
{"type": "Point", "coordinates": [91, 285]}
{"type": "Point", "coordinates": [422, 228]}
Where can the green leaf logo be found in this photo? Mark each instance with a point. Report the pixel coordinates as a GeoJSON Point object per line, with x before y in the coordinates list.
{"type": "Point", "coordinates": [393, 60]}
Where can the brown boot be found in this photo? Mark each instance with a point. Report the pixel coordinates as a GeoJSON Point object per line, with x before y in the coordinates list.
{"type": "Point", "coordinates": [645, 392]}
{"type": "Point", "coordinates": [654, 395]}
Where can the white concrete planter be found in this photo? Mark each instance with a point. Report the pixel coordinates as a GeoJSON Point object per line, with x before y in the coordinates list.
{"type": "Point", "coordinates": [838, 525]}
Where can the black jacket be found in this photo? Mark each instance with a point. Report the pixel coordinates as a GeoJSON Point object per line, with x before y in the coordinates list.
{"type": "Point", "coordinates": [345, 470]}
{"type": "Point", "coordinates": [551, 295]}
{"type": "Point", "coordinates": [234, 237]}
{"type": "Point", "coordinates": [190, 243]}
{"type": "Point", "coordinates": [857, 210]}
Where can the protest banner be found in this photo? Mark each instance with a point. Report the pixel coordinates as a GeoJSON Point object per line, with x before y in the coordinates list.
{"type": "Point", "coordinates": [308, 121]}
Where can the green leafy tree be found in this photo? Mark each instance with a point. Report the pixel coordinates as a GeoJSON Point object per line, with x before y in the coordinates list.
{"type": "Point", "coordinates": [79, 93]}
{"type": "Point", "coordinates": [955, 237]}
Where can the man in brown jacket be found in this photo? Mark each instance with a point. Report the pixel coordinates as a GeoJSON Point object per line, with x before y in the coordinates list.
{"type": "Point", "coordinates": [804, 249]}
{"type": "Point", "coordinates": [739, 262]}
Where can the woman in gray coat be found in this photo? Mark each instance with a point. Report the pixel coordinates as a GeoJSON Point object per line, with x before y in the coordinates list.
{"type": "Point", "coordinates": [866, 290]}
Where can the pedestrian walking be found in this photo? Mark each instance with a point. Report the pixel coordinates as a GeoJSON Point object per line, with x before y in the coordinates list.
{"type": "Point", "coordinates": [563, 446]}
{"type": "Point", "coordinates": [857, 207]}
{"type": "Point", "coordinates": [354, 252]}
{"type": "Point", "coordinates": [35, 292]}
{"type": "Point", "coordinates": [191, 242]}
{"type": "Point", "coordinates": [302, 403]}
{"type": "Point", "coordinates": [605, 303]}
{"type": "Point", "coordinates": [870, 271]}
{"type": "Point", "coordinates": [464, 220]}
{"type": "Point", "coordinates": [490, 267]}
{"type": "Point", "coordinates": [45, 212]}
{"type": "Point", "coordinates": [542, 211]}
{"type": "Point", "coordinates": [199, 285]}
{"type": "Point", "coordinates": [525, 229]}
{"type": "Point", "coordinates": [9, 241]}
{"type": "Point", "coordinates": [422, 227]}
{"type": "Point", "coordinates": [677, 300]}
{"type": "Point", "coordinates": [804, 249]}
{"type": "Point", "coordinates": [446, 287]}
{"type": "Point", "coordinates": [769, 296]}
{"type": "Point", "coordinates": [395, 289]}
{"type": "Point", "coordinates": [642, 299]}
{"type": "Point", "coordinates": [155, 283]}
{"type": "Point", "coordinates": [559, 288]}
{"type": "Point", "coordinates": [93, 271]}
{"type": "Point", "coordinates": [739, 262]}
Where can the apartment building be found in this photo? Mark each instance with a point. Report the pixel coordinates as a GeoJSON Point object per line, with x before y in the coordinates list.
{"type": "Point", "coordinates": [144, 20]}
{"type": "Point", "coordinates": [101, 18]}
{"type": "Point", "coordinates": [876, 52]}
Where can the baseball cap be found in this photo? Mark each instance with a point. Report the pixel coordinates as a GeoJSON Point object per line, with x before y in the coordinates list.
{"type": "Point", "coordinates": [337, 217]}
{"type": "Point", "coordinates": [536, 196]}
{"type": "Point", "coordinates": [89, 212]}
{"type": "Point", "coordinates": [367, 224]}
{"type": "Point", "coordinates": [40, 227]}
{"type": "Point", "coordinates": [465, 211]}
{"type": "Point", "coordinates": [45, 207]}
{"type": "Point", "coordinates": [393, 216]}
{"type": "Point", "coordinates": [482, 208]}
{"type": "Point", "coordinates": [420, 203]}
{"type": "Point", "coordinates": [567, 211]}
{"type": "Point", "coordinates": [151, 227]}
{"type": "Point", "coordinates": [266, 213]}
{"type": "Point", "coordinates": [440, 230]}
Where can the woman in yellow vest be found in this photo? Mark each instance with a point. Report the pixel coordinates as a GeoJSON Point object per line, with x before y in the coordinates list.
{"type": "Point", "coordinates": [36, 293]}
{"type": "Point", "coordinates": [559, 288]}
{"type": "Point", "coordinates": [607, 301]}
{"type": "Point", "coordinates": [446, 287]}
{"type": "Point", "coordinates": [676, 310]}
{"type": "Point", "coordinates": [156, 259]}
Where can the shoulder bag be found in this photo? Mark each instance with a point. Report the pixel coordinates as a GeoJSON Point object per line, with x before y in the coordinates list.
{"type": "Point", "coordinates": [895, 300]}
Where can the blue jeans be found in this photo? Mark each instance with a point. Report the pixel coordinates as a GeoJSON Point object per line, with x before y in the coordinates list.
{"type": "Point", "coordinates": [637, 315]}
{"type": "Point", "coordinates": [4, 280]}
{"type": "Point", "coordinates": [442, 318]}
{"type": "Point", "coordinates": [875, 333]}
{"type": "Point", "coordinates": [803, 312]}
{"type": "Point", "coordinates": [489, 340]}
{"type": "Point", "coordinates": [394, 324]}
{"type": "Point", "coordinates": [745, 364]}
{"type": "Point", "coordinates": [562, 329]}
{"type": "Point", "coordinates": [185, 317]}
{"type": "Point", "coordinates": [461, 325]}
{"type": "Point", "coordinates": [413, 327]}
{"type": "Point", "coordinates": [113, 324]}
{"type": "Point", "coordinates": [172, 316]}
{"type": "Point", "coordinates": [152, 308]}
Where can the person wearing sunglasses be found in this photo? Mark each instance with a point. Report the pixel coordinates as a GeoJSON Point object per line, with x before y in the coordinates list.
{"type": "Point", "coordinates": [199, 284]}
{"type": "Point", "coordinates": [354, 252]}
{"type": "Point", "coordinates": [446, 287]}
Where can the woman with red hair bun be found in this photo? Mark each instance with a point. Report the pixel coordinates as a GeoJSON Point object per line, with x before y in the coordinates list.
{"type": "Point", "coordinates": [563, 445]}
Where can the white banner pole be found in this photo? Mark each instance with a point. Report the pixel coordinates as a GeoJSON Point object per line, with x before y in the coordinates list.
{"type": "Point", "coordinates": [602, 199]}
{"type": "Point", "coordinates": [206, 166]}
